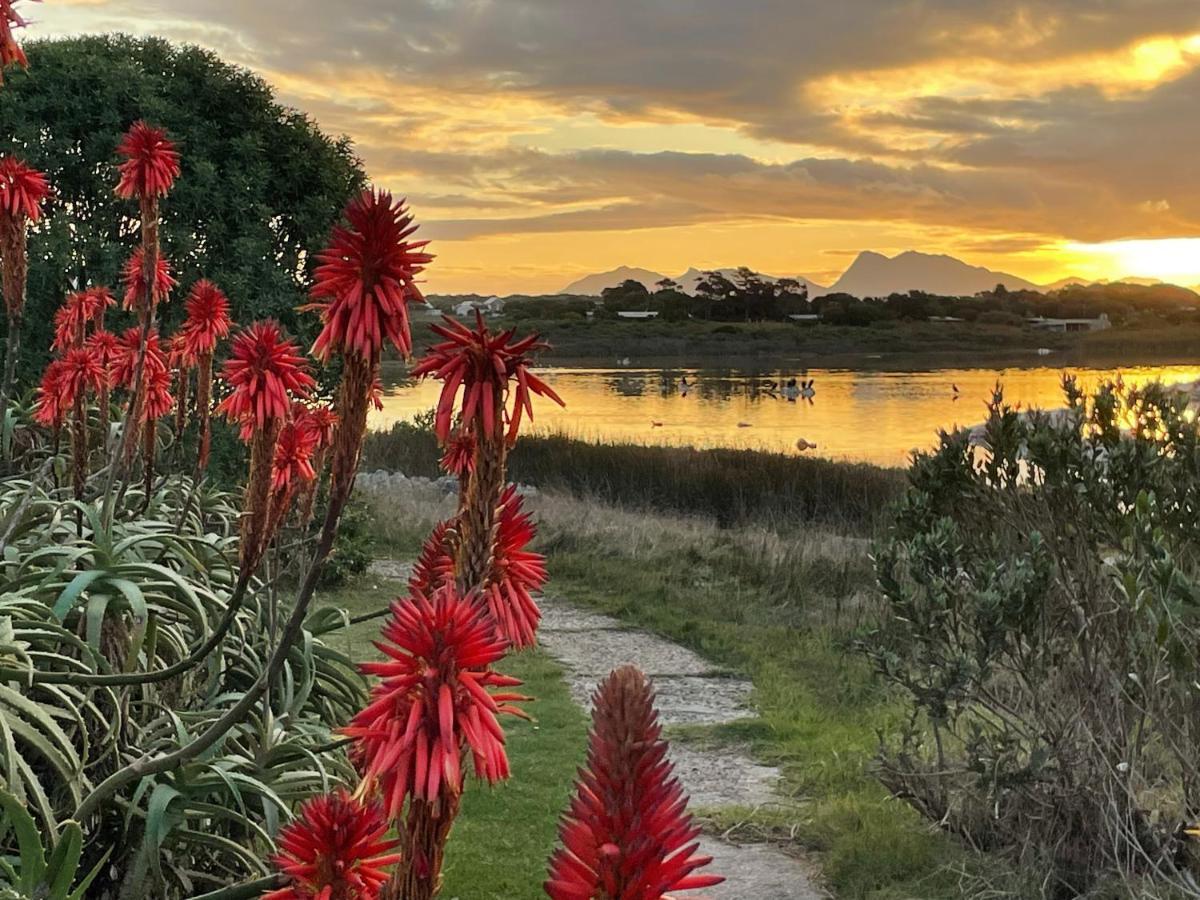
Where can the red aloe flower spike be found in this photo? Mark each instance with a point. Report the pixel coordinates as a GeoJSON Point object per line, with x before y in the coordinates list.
{"type": "Point", "coordinates": [151, 163]}
{"type": "Point", "coordinates": [365, 279]}
{"type": "Point", "coordinates": [106, 346]}
{"type": "Point", "coordinates": [134, 277]}
{"type": "Point", "coordinates": [23, 190]}
{"type": "Point", "coordinates": [626, 834]}
{"type": "Point", "coordinates": [158, 399]}
{"type": "Point", "coordinates": [49, 410]}
{"type": "Point", "coordinates": [123, 367]}
{"type": "Point", "coordinates": [10, 50]}
{"type": "Point", "coordinates": [434, 568]}
{"type": "Point", "coordinates": [293, 456]}
{"type": "Point", "coordinates": [263, 367]}
{"type": "Point", "coordinates": [517, 574]}
{"type": "Point", "coordinates": [336, 849]}
{"type": "Point", "coordinates": [78, 311]}
{"type": "Point", "coordinates": [432, 702]}
{"type": "Point", "coordinates": [320, 419]}
{"type": "Point", "coordinates": [81, 373]}
{"type": "Point", "coordinates": [207, 320]}
{"type": "Point", "coordinates": [377, 393]}
{"type": "Point", "coordinates": [483, 365]}
{"type": "Point", "coordinates": [458, 458]}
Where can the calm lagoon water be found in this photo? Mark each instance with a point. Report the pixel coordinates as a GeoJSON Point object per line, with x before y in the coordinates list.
{"type": "Point", "coordinates": [854, 414]}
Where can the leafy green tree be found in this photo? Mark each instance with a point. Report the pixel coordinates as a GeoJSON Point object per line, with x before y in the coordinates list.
{"type": "Point", "coordinates": [260, 189]}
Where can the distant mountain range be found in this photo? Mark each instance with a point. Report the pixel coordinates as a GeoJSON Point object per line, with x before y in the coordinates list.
{"type": "Point", "coordinates": [870, 275]}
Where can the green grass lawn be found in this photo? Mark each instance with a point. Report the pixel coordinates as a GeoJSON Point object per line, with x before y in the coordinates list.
{"type": "Point", "coordinates": [504, 836]}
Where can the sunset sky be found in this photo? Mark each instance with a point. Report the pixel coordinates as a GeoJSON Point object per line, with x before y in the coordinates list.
{"type": "Point", "coordinates": [539, 140]}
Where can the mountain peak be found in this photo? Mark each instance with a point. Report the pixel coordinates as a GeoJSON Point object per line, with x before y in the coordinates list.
{"type": "Point", "coordinates": [874, 275]}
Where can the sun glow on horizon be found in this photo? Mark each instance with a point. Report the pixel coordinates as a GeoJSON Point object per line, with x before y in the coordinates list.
{"type": "Point", "coordinates": [1170, 259]}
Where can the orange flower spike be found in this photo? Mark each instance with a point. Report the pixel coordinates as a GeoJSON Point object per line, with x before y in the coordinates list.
{"type": "Point", "coordinates": [336, 849]}
{"type": "Point", "coordinates": [23, 190]}
{"type": "Point", "coordinates": [435, 696]}
{"type": "Point", "coordinates": [133, 278]}
{"type": "Point", "coordinates": [366, 278]}
{"type": "Point", "coordinates": [627, 834]}
{"type": "Point", "coordinates": [482, 364]}
{"type": "Point", "coordinates": [263, 367]}
{"type": "Point", "coordinates": [207, 322]}
{"type": "Point", "coordinates": [151, 163]}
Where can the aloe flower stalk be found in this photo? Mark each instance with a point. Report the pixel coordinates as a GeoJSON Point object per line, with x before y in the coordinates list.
{"type": "Point", "coordinates": [82, 373]}
{"type": "Point", "coordinates": [437, 699]}
{"type": "Point", "coordinates": [492, 371]}
{"type": "Point", "coordinates": [265, 371]}
{"type": "Point", "coordinates": [322, 422]}
{"type": "Point", "coordinates": [363, 282]}
{"type": "Point", "coordinates": [291, 468]}
{"type": "Point", "coordinates": [336, 849]}
{"type": "Point", "coordinates": [105, 346]}
{"type": "Point", "coordinates": [78, 311]}
{"type": "Point", "coordinates": [23, 190]}
{"type": "Point", "coordinates": [208, 322]}
{"type": "Point", "coordinates": [149, 169]}
{"type": "Point", "coordinates": [626, 834]}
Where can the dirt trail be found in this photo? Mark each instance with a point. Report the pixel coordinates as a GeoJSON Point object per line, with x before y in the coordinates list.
{"type": "Point", "coordinates": [690, 691]}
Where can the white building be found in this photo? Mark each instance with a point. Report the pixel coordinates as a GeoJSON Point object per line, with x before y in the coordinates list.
{"type": "Point", "coordinates": [493, 306]}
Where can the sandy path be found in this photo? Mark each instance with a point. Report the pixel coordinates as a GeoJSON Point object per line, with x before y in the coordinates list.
{"type": "Point", "coordinates": [690, 691]}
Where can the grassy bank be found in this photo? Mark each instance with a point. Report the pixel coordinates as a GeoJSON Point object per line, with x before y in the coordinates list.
{"type": "Point", "coordinates": [785, 611]}
{"type": "Point", "coordinates": [731, 486]}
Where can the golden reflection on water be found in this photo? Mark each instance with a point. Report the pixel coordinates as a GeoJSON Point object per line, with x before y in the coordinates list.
{"type": "Point", "coordinates": [862, 415]}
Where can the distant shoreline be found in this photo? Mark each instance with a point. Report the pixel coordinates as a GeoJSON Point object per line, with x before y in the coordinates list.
{"type": "Point", "coordinates": [916, 345]}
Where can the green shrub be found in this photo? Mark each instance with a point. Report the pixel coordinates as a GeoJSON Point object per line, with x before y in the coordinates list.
{"type": "Point", "coordinates": [1043, 624]}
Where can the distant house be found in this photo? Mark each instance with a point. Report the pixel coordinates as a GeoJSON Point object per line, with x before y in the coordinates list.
{"type": "Point", "coordinates": [493, 306]}
{"type": "Point", "coordinates": [1100, 323]}
{"type": "Point", "coordinates": [804, 317]}
{"type": "Point", "coordinates": [945, 319]}
{"type": "Point", "coordinates": [637, 314]}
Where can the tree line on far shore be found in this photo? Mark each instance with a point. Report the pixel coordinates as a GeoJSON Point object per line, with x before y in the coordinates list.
{"type": "Point", "coordinates": [746, 296]}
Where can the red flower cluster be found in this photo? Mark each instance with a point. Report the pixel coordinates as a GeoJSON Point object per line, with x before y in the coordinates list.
{"type": "Point", "coordinates": [482, 364]}
{"type": "Point", "coordinates": [627, 834]}
{"type": "Point", "coordinates": [151, 163]}
{"type": "Point", "coordinates": [432, 700]}
{"type": "Point", "coordinates": [517, 573]}
{"type": "Point", "coordinates": [133, 276]}
{"type": "Point", "coordinates": [293, 458]}
{"type": "Point", "coordinates": [64, 381]}
{"type": "Point", "coordinates": [10, 50]}
{"type": "Point", "coordinates": [124, 364]}
{"type": "Point", "coordinates": [366, 278]}
{"type": "Point", "coordinates": [320, 419]}
{"type": "Point", "coordinates": [77, 312]}
{"type": "Point", "coordinates": [207, 321]}
{"type": "Point", "coordinates": [434, 568]}
{"type": "Point", "coordinates": [263, 366]}
{"type": "Point", "coordinates": [458, 457]}
{"type": "Point", "coordinates": [22, 189]}
{"type": "Point", "coordinates": [106, 346]}
{"type": "Point", "coordinates": [49, 410]}
{"type": "Point", "coordinates": [158, 400]}
{"type": "Point", "coordinates": [336, 849]}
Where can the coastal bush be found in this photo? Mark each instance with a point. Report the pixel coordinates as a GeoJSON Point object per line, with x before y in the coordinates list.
{"type": "Point", "coordinates": [1042, 623]}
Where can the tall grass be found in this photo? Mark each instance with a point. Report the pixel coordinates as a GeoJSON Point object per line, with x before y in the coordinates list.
{"type": "Point", "coordinates": [733, 487]}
